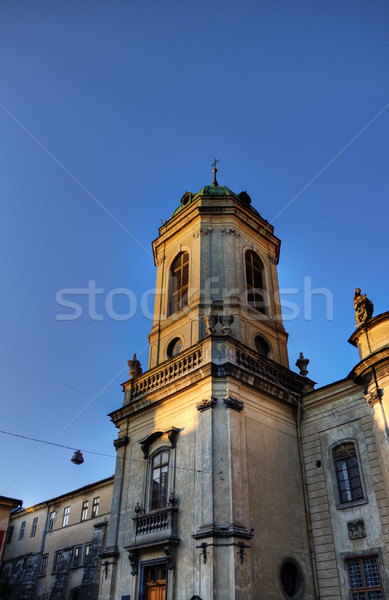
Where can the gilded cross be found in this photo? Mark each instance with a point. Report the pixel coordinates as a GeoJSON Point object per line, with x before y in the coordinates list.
{"type": "Point", "coordinates": [214, 163]}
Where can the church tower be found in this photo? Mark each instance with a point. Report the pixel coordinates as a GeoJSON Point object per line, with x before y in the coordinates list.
{"type": "Point", "coordinates": [208, 499]}
{"type": "Point", "coordinates": [215, 257]}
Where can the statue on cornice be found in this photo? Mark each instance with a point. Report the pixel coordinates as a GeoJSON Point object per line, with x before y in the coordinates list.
{"type": "Point", "coordinates": [363, 307]}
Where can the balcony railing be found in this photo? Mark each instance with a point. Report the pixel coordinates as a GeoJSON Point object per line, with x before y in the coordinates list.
{"type": "Point", "coordinates": [151, 381]}
{"type": "Point", "coordinates": [161, 520]}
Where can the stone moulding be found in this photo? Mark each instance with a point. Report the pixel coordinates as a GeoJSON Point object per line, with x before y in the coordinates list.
{"type": "Point", "coordinates": [146, 442]}
{"type": "Point", "coordinates": [206, 404]}
{"type": "Point", "coordinates": [233, 403]}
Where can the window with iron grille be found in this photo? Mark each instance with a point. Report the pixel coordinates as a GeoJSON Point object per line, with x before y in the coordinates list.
{"type": "Point", "coordinates": [95, 506]}
{"type": "Point", "coordinates": [364, 578]}
{"type": "Point", "coordinates": [254, 281]}
{"type": "Point", "coordinates": [179, 282]}
{"type": "Point", "coordinates": [347, 473]}
{"type": "Point", "coordinates": [159, 480]}
{"type": "Point", "coordinates": [22, 530]}
{"type": "Point", "coordinates": [34, 526]}
{"type": "Point", "coordinates": [84, 511]}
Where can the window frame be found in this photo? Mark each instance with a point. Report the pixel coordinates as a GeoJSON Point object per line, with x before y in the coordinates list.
{"type": "Point", "coordinates": [178, 297]}
{"type": "Point", "coordinates": [84, 510]}
{"type": "Point", "coordinates": [10, 532]}
{"type": "Point", "coordinates": [65, 516]}
{"type": "Point", "coordinates": [57, 558]}
{"type": "Point", "coordinates": [95, 507]}
{"type": "Point", "coordinates": [77, 556]}
{"type": "Point", "coordinates": [251, 271]}
{"type": "Point", "coordinates": [43, 567]}
{"type": "Point", "coordinates": [87, 549]}
{"type": "Point", "coordinates": [50, 521]}
{"type": "Point", "coordinates": [341, 504]}
{"type": "Point", "coordinates": [22, 530]}
{"type": "Point", "coordinates": [34, 526]}
{"type": "Point", "coordinates": [152, 457]}
{"type": "Point", "coordinates": [365, 588]}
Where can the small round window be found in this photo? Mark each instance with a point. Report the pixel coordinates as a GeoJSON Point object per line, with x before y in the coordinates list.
{"type": "Point", "coordinates": [261, 346]}
{"type": "Point", "coordinates": [174, 347]}
{"type": "Point", "coordinates": [291, 580]}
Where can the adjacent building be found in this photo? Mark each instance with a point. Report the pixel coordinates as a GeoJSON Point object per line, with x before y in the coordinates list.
{"type": "Point", "coordinates": [52, 549]}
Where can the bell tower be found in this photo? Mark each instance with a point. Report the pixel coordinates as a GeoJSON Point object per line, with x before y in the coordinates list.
{"type": "Point", "coordinates": [216, 261]}
{"type": "Point", "coordinates": [208, 499]}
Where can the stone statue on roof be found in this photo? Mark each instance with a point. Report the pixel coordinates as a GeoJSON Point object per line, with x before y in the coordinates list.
{"type": "Point", "coordinates": [363, 307]}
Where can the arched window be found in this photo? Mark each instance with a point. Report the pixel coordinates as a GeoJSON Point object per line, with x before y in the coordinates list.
{"type": "Point", "coordinates": [254, 281]}
{"type": "Point", "coordinates": [179, 280]}
{"type": "Point", "coordinates": [348, 476]}
{"type": "Point", "coordinates": [159, 480]}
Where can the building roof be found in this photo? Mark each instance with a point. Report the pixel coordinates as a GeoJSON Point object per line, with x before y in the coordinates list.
{"type": "Point", "coordinates": [214, 190]}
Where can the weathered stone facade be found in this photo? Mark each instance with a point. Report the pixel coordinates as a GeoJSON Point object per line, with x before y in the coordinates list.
{"type": "Point", "coordinates": [54, 550]}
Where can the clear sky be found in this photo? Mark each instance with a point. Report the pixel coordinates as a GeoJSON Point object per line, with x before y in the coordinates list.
{"type": "Point", "coordinates": [109, 112]}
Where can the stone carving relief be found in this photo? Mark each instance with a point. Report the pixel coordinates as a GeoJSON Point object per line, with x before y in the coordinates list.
{"type": "Point", "coordinates": [206, 404]}
{"type": "Point", "coordinates": [121, 441]}
{"type": "Point", "coordinates": [202, 231]}
{"type": "Point", "coordinates": [233, 403]}
{"type": "Point", "coordinates": [356, 529]}
{"type": "Point", "coordinates": [230, 231]}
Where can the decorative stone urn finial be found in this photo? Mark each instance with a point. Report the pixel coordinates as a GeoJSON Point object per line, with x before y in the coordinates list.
{"type": "Point", "coordinates": [363, 307]}
{"type": "Point", "coordinates": [135, 368]}
{"type": "Point", "coordinates": [302, 364]}
{"type": "Point", "coordinates": [226, 320]}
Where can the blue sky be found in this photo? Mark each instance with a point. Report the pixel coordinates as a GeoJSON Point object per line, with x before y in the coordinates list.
{"type": "Point", "coordinates": [109, 112]}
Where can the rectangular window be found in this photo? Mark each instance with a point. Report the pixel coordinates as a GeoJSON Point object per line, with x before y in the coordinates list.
{"type": "Point", "coordinates": [10, 533]}
{"type": "Point", "coordinates": [77, 555]}
{"type": "Point", "coordinates": [65, 518]}
{"type": "Point", "coordinates": [84, 511]}
{"type": "Point", "coordinates": [86, 552]}
{"type": "Point", "coordinates": [45, 560]}
{"type": "Point", "coordinates": [50, 523]}
{"type": "Point", "coordinates": [22, 529]}
{"type": "Point", "coordinates": [57, 559]}
{"type": "Point", "coordinates": [34, 526]}
{"type": "Point", "coordinates": [347, 473]}
{"type": "Point", "coordinates": [159, 480]}
{"type": "Point", "coordinates": [95, 506]}
{"type": "Point", "coordinates": [364, 578]}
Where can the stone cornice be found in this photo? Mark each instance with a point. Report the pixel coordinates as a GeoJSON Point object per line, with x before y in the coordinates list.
{"type": "Point", "coordinates": [214, 356]}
